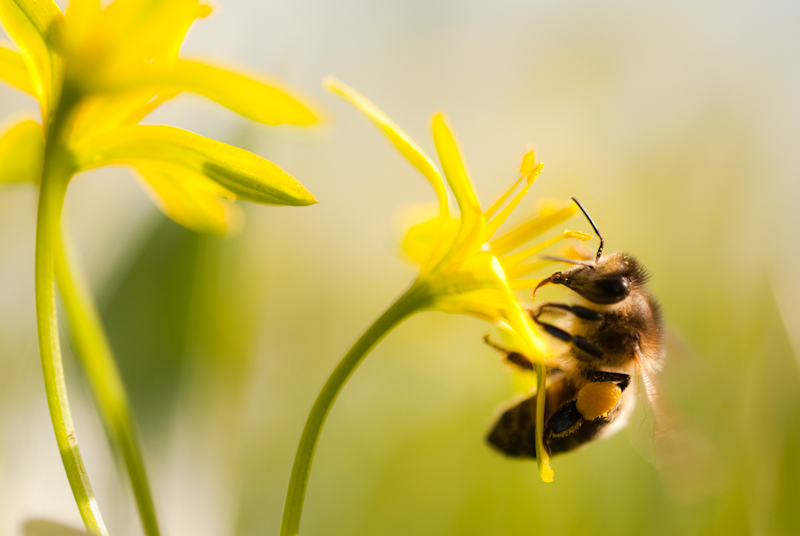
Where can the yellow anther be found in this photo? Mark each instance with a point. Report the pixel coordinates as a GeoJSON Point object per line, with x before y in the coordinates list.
{"type": "Point", "coordinates": [577, 234]}
{"type": "Point", "coordinates": [204, 10]}
{"type": "Point", "coordinates": [535, 173]}
{"type": "Point", "coordinates": [528, 163]}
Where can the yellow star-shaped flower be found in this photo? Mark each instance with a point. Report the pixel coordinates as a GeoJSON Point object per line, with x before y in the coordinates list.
{"type": "Point", "coordinates": [463, 269]}
{"type": "Point", "coordinates": [96, 72]}
{"type": "Point", "coordinates": [102, 70]}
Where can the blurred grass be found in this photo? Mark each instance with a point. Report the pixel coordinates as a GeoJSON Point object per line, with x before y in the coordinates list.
{"type": "Point", "coordinates": [147, 318]}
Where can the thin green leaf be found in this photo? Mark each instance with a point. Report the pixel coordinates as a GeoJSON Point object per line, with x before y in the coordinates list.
{"type": "Point", "coordinates": [246, 175]}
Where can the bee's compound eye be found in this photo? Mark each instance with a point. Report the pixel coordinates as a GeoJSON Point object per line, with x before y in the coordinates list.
{"type": "Point", "coordinates": [602, 290]}
{"type": "Point", "coordinates": [614, 289]}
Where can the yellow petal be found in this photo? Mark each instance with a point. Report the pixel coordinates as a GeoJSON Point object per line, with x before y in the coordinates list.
{"type": "Point", "coordinates": [45, 16]}
{"type": "Point", "coordinates": [104, 112]}
{"type": "Point", "coordinates": [143, 34]}
{"type": "Point", "coordinates": [476, 292]}
{"type": "Point", "coordinates": [247, 175]}
{"type": "Point", "coordinates": [21, 151]}
{"type": "Point", "coordinates": [258, 100]}
{"type": "Point", "coordinates": [483, 304]}
{"type": "Point", "coordinates": [471, 234]}
{"type": "Point", "coordinates": [396, 136]}
{"type": "Point", "coordinates": [421, 240]}
{"type": "Point", "coordinates": [454, 169]}
{"type": "Point", "coordinates": [81, 16]}
{"type": "Point", "coordinates": [13, 70]}
{"type": "Point", "coordinates": [36, 27]}
{"type": "Point", "coordinates": [473, 287]}
{"type": "Point", "coordinates": [82, 9]}
{"type": "Point", "coordinates": [189, 205]}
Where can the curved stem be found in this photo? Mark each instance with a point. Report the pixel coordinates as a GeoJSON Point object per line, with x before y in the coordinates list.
{"type": "Point", "coordinates": [56, 171]}
{"type": "Point", "coordinates": [97, 360]}
{"type": "Point", "coordinates": [404, 307]}
{"type": "Point", "coordinates": [542, 458]}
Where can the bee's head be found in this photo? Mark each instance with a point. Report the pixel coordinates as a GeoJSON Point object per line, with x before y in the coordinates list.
{"type": "Point", "coordinates": [609, 280]}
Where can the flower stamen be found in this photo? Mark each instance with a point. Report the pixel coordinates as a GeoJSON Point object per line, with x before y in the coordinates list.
{"type": "Point", "coordinates": [529, 172]}
{"type": "Point", "coordinates": [502, 199]}
{"type": "Point", "coordinates": [530, 229]}
{"type": "Point", "coordinates": [516, 258]}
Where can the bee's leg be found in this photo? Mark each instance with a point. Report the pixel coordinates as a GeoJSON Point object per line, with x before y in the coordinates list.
{"type": "Point", "coordinates": [620, 379]}
{"type": "Point", "coordinates": [584, 313]}
{"type": "Point", "coordinates": [602, 395]}
{"type": "Point", "coordinates": [576, 340]}
{"type": "Point", "coordinates": [565, 420]}
{"type": "Point", "coordinates": [516, 358]}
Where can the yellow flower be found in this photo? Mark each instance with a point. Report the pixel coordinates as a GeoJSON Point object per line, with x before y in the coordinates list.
{"type": "Point", "coordinates": [96, 72]}
{"type": "Point", "coordinates": [102, 70]}
{"type": "Point", "coordinates": [464, 268]}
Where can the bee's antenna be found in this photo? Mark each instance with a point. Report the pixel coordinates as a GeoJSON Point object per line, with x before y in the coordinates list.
{"type": "Point", "coordinates": [596, 230]}
{"type": "Point", "coordinates": [566, 259]}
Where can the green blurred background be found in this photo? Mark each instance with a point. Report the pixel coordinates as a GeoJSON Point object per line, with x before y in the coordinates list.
{"type": "Point", "coordinates": [675, 123]}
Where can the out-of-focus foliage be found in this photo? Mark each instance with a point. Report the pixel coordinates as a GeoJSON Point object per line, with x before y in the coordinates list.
{"type": "Point", "coordinates": [675, 124]}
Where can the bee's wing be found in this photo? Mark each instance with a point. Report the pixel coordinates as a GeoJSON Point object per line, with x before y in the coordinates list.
{"type": "Point", "coordinates": [642, 422]}
{"type": "Point", "coordinates": [686, 461]}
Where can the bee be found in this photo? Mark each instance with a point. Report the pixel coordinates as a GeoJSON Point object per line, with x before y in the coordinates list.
{"type": "Point", "coordinates": [613, 332]}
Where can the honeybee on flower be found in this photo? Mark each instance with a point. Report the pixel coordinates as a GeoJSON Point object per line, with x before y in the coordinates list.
{"type": "Point", "coordinates": [465, 265]}
{"type": "Point", "coordinates": [464, 268]}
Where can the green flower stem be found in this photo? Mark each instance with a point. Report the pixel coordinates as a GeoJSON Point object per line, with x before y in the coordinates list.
{"type": "Point", "coordinates": [56, 172]}
{"type": "Point", "coordinates": [409, 303]}
{"type": "Point", "coordinates": [94, 352]}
